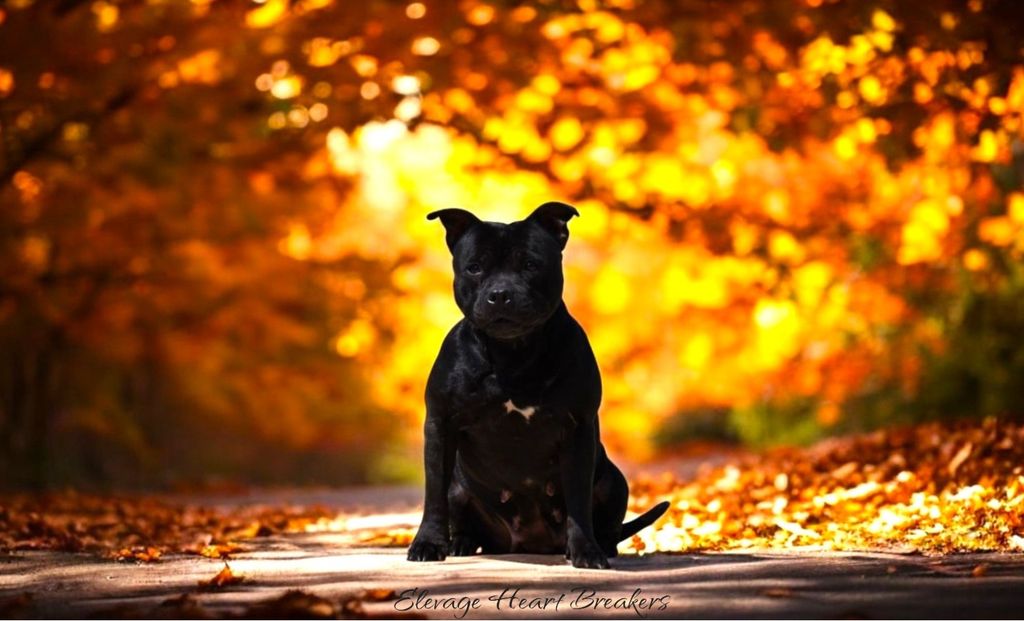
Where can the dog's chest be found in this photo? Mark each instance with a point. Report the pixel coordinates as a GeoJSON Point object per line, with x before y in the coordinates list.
{"type": "Point", "coordinates": [514, 416]}
{"type": "Point", "coordinates": [510, 434]}
{"type": "Point", "coordinates": [510, 442]}
{"type": "Point", "coordinates": [526, 411]}
{"type": "Point", "coordinates": [494, 407]}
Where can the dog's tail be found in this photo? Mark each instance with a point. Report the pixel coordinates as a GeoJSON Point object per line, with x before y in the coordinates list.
{"type": "Point", "coordinates": [639, 523]}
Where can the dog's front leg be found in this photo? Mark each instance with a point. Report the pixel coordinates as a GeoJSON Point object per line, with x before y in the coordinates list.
{"type": "Point", "coordinates": [579, 452]}
{"type": "Point", "coordinates": [431, 542]}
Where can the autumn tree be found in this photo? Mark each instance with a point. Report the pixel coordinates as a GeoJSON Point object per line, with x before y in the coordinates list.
{"type": "Point", "coordinates": [151, 327]}
{"type": "Point", "coordinates": [804, 214]}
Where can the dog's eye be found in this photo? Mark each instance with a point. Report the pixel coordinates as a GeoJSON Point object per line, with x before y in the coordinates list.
{"type": "Point", "coordinates": [531, 265]}
{"type": "Point", "coordinates": [474, 269]}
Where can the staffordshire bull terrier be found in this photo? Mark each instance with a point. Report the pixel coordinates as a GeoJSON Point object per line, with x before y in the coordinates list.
{"type": "Point", "coordinates": [513, 455]}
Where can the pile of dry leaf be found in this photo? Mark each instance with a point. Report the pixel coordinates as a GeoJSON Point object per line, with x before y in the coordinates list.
{"type": "Point", "coordinates": [933, 488]}
{"type": "Point", "coordinates": [139, 528]}
{"type": "Point", "coordinates": [937, 487]}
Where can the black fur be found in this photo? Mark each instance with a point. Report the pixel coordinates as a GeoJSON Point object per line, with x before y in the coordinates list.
{"type": "Point", "coordinates": [499, 481]}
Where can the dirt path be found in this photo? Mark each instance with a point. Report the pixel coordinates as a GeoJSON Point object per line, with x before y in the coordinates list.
{"type": "Point", "coordinates": [752, 584]}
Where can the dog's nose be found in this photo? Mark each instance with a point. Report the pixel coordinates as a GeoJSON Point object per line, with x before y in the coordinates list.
{"type": "Point", "coordinates": [499, 296]}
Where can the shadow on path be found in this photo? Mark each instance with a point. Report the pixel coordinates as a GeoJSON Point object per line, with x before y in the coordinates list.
{"type": "Point", "coordinates": [757, 584]}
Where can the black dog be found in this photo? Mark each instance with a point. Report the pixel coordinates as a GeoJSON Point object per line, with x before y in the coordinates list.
{"type": "Point", "coordinates": [514, 460]}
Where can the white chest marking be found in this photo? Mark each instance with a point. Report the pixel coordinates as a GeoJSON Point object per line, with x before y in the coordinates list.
{"type": "Point", "coordinates": [527, 412]}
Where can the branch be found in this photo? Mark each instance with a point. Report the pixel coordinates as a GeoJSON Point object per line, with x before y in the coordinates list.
{"type": "Point", "coordinates": [44, 140]}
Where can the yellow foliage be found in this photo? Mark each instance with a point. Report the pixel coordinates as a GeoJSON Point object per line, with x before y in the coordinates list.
{"type": "Point", "coordinates": [883, 21]}
{"type": "Point", "coordinates": [998, 231]}
{"type": "Point", "coordinates": [871, 90]}
{"type": "Point", "coordinates": [610, 292]}
{"type": "Point", "coordinates": [1015, 208]}
{"type": "Point", "coordinates": [106, 15]}
{"type": "Point", "coordinates": [267, 14]}
{"type": "Point", "coordinates": [566, 133]}
{"type": "Point", "coordinates": [203, 67]}
{"type": "Point", "coordinates": [750, 205]}
{"type": "Point", "coordinates": [6, 81]}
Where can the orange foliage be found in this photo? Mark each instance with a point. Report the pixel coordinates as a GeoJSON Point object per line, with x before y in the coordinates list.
{"type": "Point", "coordinates": [934, 488]}
{"type": "Point", "coordinates": [230, 220]}
{"type": "Point", "coordinates": [141, 528]}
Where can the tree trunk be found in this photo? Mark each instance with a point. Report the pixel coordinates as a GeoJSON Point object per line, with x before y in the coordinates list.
{"type": "Point", "coordinates": [38, 436]}
{"type": "Point", "coordinates": [27, 408]}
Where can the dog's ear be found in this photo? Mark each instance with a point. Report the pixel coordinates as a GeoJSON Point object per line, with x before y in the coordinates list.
{"type": "Point", "coordinates": [554, 217]}
{"type": "Point", "coordinates": [456, 222]}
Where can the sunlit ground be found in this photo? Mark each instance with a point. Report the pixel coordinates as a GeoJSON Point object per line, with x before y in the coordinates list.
{"type": "Point", "coordinates": [792, 532]}
{"type": "Point", "coordinates": [330, 579]}
{"type": "Point", "coordinates": [931, 489]}
{"type": "Point", "coordinates": [934, 488]}
{"type": "Point", "coordinates": [334, 566]}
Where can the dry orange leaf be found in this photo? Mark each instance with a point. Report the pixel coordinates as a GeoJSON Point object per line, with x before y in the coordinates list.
{"type": "Point", "coordinates": [960, 458]}
{"type": "Point", "coordinates": [377, 595]}
{"type": "Point", "coordinates": [225, 577]}
{"type": "Point", "coordinates": [147, 554]}
{"type": "Point", "coordinates": [220, 550]}
{"type": "Point", "coordinates": [294, 604]}
{"type": "Point", "coordinates": [933, 488]}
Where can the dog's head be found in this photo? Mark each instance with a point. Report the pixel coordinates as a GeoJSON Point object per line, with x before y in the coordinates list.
{"type": "Point", "coordinates": [508, 277]}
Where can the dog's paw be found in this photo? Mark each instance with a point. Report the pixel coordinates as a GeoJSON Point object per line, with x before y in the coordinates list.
{"type": "Point", "coordinates": [464, 546]}
{"type": "Point", "coordinates": [586, 554]}
{"type": "Point", "coordinates": [427, 550]}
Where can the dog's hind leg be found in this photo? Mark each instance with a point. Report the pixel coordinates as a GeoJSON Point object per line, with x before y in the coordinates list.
{"type": "Point", "coordinates": [611, 495]}
{"type": "Point", "coordinates": [465, 534]}
{"type": "Point", "coordinates": [473, 526]}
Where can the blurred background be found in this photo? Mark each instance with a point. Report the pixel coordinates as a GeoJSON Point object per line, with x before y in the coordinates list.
{"type": "Point", "coordinates": [799, 218]}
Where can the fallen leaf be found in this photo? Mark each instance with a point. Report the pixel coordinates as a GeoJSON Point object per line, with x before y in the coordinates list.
{"type": "Point", "coordinates": [141, 554]}
{"type": "Point", "coordinates": [184, 606]}
{"type": "Point", "coordinates": [249, 531]}
{"type": "Point", "coordinates": [294, 604]}
{"type": "Point", "coordinates": [225, 577]}
{"type": "Point", "coordinates": [220, 550]}
{"type": "Point", "coordinates": [949, 491]}
{"type": "Point", "coordinates": [377, 595]}
{"type": "Point", "coordinates": [960, 457]}
{"type": "Point", "coordinates": [845, 470]}
{"type": "Point", "coordinates": [395, 537]}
